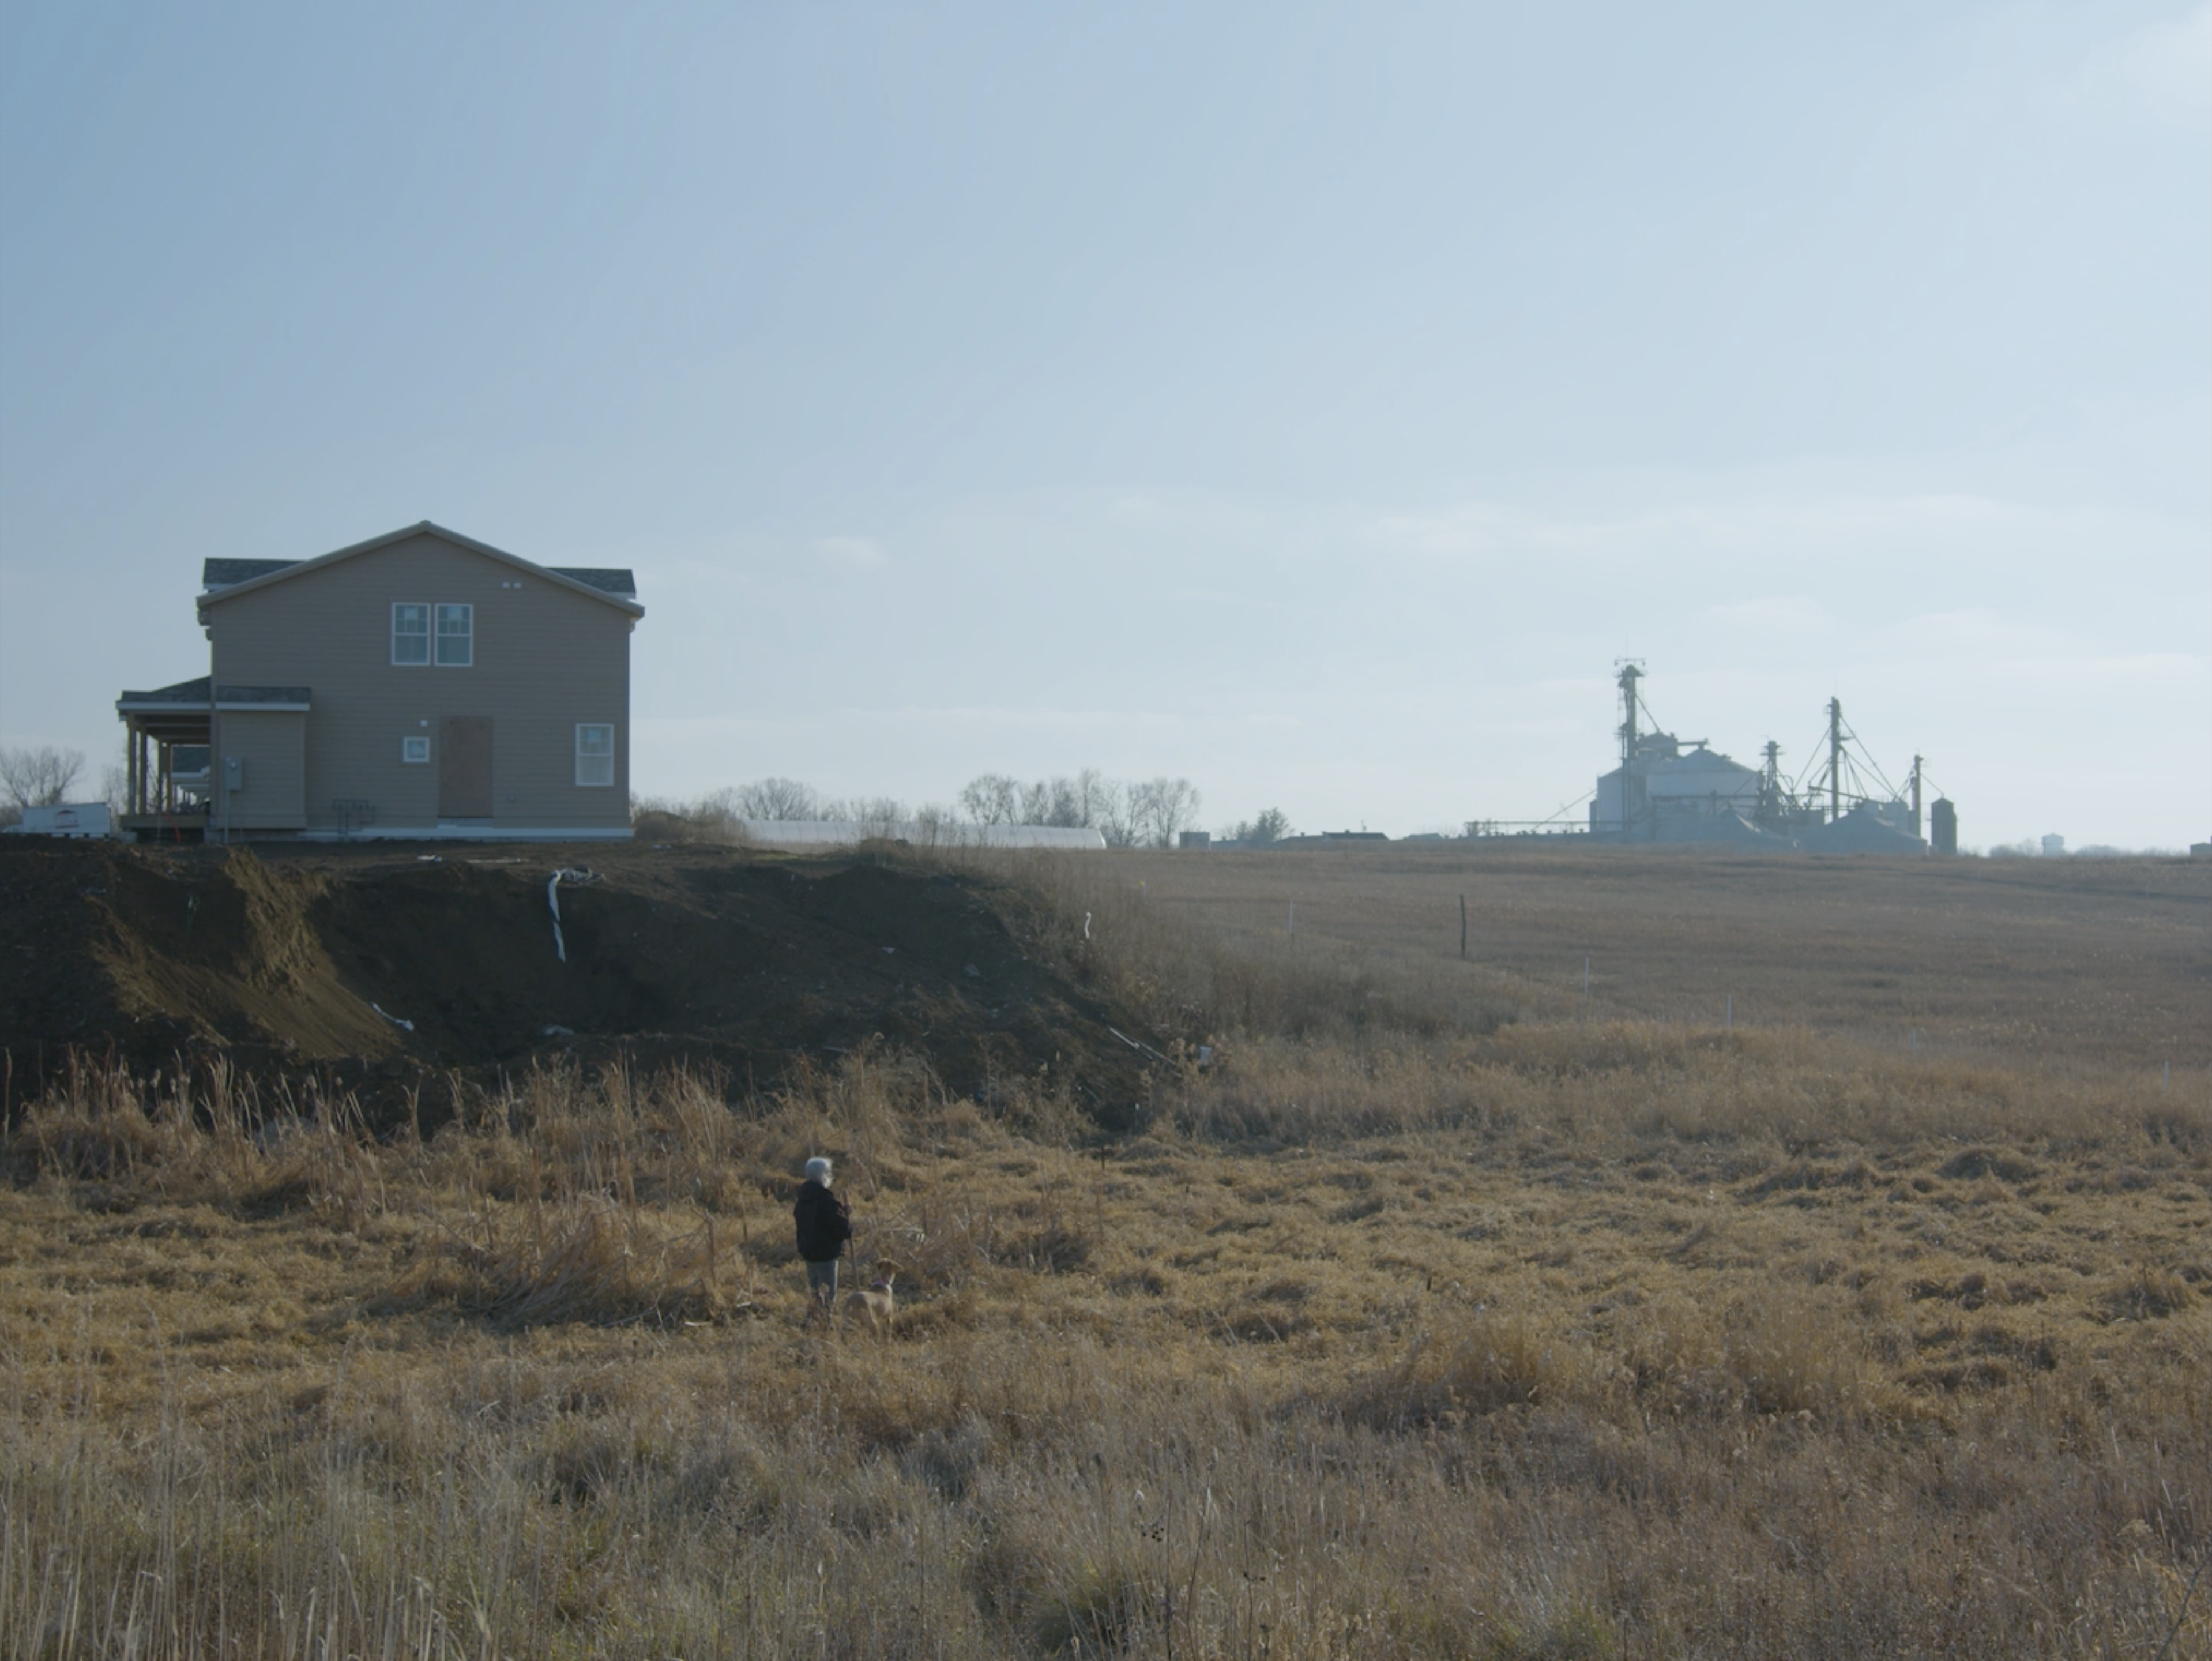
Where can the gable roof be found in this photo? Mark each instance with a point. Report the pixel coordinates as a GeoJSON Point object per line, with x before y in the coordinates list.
{"type": "Point", "coordinates": [221, 579]}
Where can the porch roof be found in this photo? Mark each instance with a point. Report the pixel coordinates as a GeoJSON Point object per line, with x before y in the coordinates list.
{"type": "Point", "coordinates": [182, 713]}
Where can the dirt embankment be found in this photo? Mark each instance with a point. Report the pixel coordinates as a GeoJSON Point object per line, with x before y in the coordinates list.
{"type": "Point", "coordinates": [752, 964]}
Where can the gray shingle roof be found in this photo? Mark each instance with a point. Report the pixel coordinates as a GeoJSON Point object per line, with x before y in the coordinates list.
{"type": "Point", "coordinates": [608, 580]}
{"type": "Point", "coordinates": [224, 573]}
{"type": "Point", "coordinates": [228, 573]}
{"type": "Point", "coordinates": [193, 695]}
{"type": "Point", "coordinates": [184, 692]}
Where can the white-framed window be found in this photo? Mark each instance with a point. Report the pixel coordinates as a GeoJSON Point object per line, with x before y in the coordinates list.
{"type": "Point", "coordinates": [456, 637]}
{"type": "Point", "coordinates": [595, 752]}
{"type": "Point", "coordinates": [414, 748]}
{"type": "Point", "coordinates": [410, 633]}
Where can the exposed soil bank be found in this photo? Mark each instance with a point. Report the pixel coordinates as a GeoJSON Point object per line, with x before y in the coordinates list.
{"type": "Point", "coordinates": [312, 959]}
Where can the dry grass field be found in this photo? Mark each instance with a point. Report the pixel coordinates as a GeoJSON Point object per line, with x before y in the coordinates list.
{"type": "Point", "coordinates": [1434, 1314]}
{"type": "Point", "coordinates": [2011, 958]}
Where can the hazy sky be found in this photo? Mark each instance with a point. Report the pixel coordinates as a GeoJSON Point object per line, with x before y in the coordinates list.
{"type": "Point", "coordinates": [1312, 401]}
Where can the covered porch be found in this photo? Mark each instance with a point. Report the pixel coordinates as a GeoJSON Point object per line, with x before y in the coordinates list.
{"type": "Point", "coordinates": [167, 762]}
{"type": "Point", "coordinates": [177, 787]}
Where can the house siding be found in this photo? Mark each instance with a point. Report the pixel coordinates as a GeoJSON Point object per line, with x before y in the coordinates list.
{"type": "Point", "coordinates": [273, 744]}
{"type": "Point", "coordinates": [545, 658]}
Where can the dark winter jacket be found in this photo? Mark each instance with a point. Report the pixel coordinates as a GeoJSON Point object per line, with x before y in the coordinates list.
{"type": "Point", "coordinates": [825, 1224]}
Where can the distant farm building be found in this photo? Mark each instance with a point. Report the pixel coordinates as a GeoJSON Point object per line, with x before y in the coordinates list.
{"type": "Point", "coordinates": [1671, 790]}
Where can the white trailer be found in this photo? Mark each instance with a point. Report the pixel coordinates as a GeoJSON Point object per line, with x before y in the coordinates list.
{"type": "Point", "coordinates": [78, 820]}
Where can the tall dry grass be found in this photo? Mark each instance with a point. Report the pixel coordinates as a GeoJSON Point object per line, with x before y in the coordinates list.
{"type": "Point", "coordinates": [1052, 1503]}
{"type": "Point", "coordinates": [1611, 1085]}
{"type": "Point", "coordinates": [1402, 1330]}
{"type": "Point", "coordinates": [563, 1404]}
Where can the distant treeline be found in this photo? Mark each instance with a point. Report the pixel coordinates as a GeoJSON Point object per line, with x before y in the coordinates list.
{"type": "Point", "coordinates": [1127, 813]}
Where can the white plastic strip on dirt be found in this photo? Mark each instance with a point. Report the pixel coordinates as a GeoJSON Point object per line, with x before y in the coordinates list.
{"type": "Point", "coordinates": [553, 901]}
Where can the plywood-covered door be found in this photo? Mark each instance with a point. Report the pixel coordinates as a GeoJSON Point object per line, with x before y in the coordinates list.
{"type": "Point", "coordinates": [464, 767]}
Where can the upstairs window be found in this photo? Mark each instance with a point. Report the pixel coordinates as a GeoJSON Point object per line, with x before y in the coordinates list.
{"type": "Point", "coordinates": [410, 634]}
{"type": "Point", "coordinates": [456, 637]}
{"type": "Point", "coordinates": [595, 752]}
{"type": "Point", "coordinates": [412, 748]}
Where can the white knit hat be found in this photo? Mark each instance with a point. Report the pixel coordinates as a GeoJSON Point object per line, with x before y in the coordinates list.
{"type": "Point", "coordinates": [818, 1168]}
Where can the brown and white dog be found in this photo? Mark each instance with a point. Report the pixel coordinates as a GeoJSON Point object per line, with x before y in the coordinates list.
{"type": "Point", "coordinates": [877, 1303]}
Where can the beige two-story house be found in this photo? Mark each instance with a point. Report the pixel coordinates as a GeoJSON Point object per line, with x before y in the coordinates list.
{"type": "Point", "coordinates": [421, 685]}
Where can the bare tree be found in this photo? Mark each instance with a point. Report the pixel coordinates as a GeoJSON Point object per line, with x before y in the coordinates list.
{"type": "Point", "coordinates": [1088, 797]}
{"type": "Point", "coordinates": [877, 812]}
{"type": "Point", "coordinates": [39, 777]}
{"type": "Point", "coordinates": [1077, 803]}
{"type": "Point", "coordinates": [1126, 815]}
{"type": "Point", "coordinates": [991, 799]}
{"type": "Point", "coordinates": [1160, 807]}
{"type": "Point", "coordinates": [777, 799]}
{"type": "Point", "coordinates": [1117, 819]}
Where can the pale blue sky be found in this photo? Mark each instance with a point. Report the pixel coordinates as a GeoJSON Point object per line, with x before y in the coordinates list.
{"type": "Point", "coordinates": [1313, 401]}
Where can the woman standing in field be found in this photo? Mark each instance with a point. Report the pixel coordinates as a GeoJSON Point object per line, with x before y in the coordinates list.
{"type": "Point", "coordinates": [824, 1224]}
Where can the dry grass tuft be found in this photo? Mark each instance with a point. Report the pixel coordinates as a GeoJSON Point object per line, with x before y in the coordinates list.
{"type": "Point", "coordinates": [591, 1261]}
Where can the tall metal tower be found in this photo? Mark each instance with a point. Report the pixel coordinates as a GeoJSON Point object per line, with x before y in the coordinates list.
{"type": "Point", "coordinates": [1631, 671]}
{"type": "Point", "coordinates": [1835, 759]}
